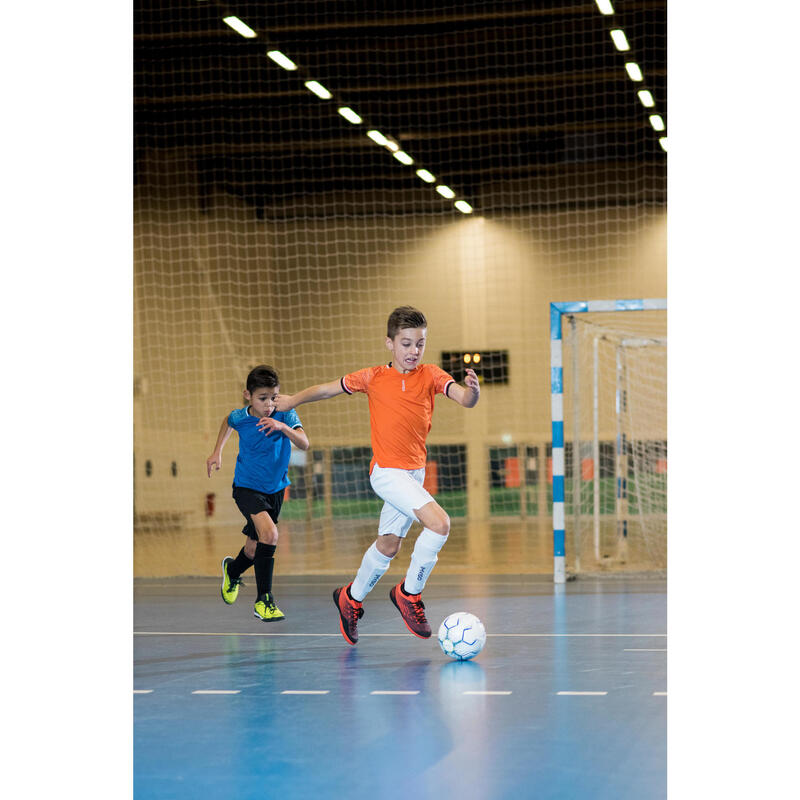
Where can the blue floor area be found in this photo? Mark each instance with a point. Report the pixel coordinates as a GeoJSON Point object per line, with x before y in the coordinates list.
{"type": "Point", "coordinates": [526, 741]}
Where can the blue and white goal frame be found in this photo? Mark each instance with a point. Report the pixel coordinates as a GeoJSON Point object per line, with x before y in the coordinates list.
{"type": "Point", "coordinates": [557, 311]}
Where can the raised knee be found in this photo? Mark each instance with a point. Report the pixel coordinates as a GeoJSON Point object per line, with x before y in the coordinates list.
{"type": "Point", "coordinates": [441, 526]}
{"type": "Point", "coordinates": [389, 546]}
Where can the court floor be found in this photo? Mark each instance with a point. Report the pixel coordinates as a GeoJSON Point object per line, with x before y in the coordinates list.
{"type": "Point", "coordinates": [567, 699]}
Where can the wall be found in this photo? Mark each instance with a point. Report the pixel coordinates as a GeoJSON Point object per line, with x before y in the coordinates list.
{"type": "Point", "coordinates": [218, 292]}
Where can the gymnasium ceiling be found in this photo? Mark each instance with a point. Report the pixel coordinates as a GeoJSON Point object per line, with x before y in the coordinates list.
{"type": "Point", "coordinates": [515, 105]}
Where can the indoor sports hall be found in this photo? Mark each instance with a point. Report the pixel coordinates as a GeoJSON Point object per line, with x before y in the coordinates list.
{"type": "Point", "coordinates": [300, 170]}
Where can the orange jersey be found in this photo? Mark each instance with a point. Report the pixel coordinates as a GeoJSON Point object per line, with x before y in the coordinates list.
{"type": "Point", "coordinates": [400, 410]}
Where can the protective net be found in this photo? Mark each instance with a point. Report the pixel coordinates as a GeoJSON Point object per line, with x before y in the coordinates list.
{"type": "Point", "coordinates": [270, 228]}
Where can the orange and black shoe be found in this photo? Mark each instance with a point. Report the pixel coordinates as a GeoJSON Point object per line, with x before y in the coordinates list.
{"type": "Point", "coordinates": [350, 612]}
{"type": "Point", "coordinates": [412, 610]}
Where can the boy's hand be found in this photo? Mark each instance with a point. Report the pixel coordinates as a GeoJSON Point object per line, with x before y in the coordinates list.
{"type": "Point", "coordinates": [270, 425]}
{"type": "Point", "coordinates": [283, 402]}
{"type": "Point", "coordinates": [472, 382]}
{"type": "Point", "coordinates": [213, 461]}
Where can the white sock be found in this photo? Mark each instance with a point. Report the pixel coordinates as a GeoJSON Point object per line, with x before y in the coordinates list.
{"type": "Point", "coordinates": [373, 565]}
{"type": "Point", "coordinates": [423, 560]}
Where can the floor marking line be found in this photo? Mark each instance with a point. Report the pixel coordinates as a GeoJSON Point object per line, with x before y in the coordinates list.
{"type": "Point", "coordinates": [382, 692]}
{"type": "Point", "coordinates": [142, 691]}
{"type": "Point", "coordinates": [659, 694]}
{"type": "Point", "coordinates": [476, 692]}
{"type": "Point", "coordinates": [306, 691]}
{"type": "Point", "coordinates": [336, 635]}
{"type": "Point", "coordinates": [645, 650]}
{"type": "Point", "coordinates": [216, 691]}
{"type": "Point", "coordinates": [582, 693]}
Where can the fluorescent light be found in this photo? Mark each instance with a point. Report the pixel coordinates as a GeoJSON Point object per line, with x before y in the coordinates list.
{"type": "Point", "coordinates": [318, 89]}
{"type": "Point", "coordinates": [378, 138]}
{"type": "Point", "coordinates": [446, 191]}
{"type": "Point", "coordinates": [663, 142]}
{"type": "Point", "coordinates": [633, 71]}
{"type": "Point", "coordinates": [240, 27]}
{"type": "Point", "coordinates": [465, 208]}
{"type": "Point", "coordinates": [403, 158]}
{"type": "Point", "coordinates": [646, 98]}
{"type": "Point", "coordinates": [657, 122]}
{"type": "Point", "coordinates": [281, 60]}
{"type": "Point", "coordinates": [426, 176]}
{"type": "Point", "coordinates": [618, 37]}
{"type": "Point", "coordinates": [605, 6]}
{"type": "Point", "coordinates": [392, 145]}
{"type": "Point", "coordinates": [350, 115]}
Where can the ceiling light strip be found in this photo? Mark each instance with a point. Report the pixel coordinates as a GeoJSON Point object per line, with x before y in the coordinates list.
{"type": "Point", "coordinates": [240, 27]}
{"type": "Point", "coordinates": [634, 72]}
{"type": "Point", "coordinates": [354, 118]}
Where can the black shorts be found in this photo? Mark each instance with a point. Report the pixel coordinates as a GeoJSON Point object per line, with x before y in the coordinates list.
{"type": "Point", "coordinates": [251, 502]}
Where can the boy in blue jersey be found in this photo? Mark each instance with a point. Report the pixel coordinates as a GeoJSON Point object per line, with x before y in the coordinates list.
{"type": "Point", "coordinates": [261, 476]}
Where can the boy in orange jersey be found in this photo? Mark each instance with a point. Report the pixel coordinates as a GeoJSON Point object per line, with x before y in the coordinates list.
{"type": "Point", "coordinates": [401, 396]}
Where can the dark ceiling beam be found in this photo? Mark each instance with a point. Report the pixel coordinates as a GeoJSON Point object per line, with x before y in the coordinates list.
{"type": "Point", "coordinates": [360, 142]}
{"type": "Point", "coordinates": [582, 10]}
{"type": "Point", "coordinates": [563, 79]}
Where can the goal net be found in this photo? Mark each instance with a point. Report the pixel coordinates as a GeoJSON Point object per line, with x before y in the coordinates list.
{"type": "Point", "coordinates": [615, 430]}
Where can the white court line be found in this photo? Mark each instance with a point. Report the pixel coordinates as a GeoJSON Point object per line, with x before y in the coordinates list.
{"type": "Point", "coordinates": [306, 691]}
{"type": "Point", "coordinates": [336, 635]}
{"type": "Point", "coordinates": [142, 691]}
{"type": "Point", "coordinates": [659, 694]}
{"type": "Point", "coordinates": [583, 693]}
{"type": "Point", "coordinates": [217, 691]}
{"type": "Point", "coordinates": [486, 693]}
{"type": "Point", "coordinates": [394, 692]}
{"type": "Point", "coordinates": [645, 650]}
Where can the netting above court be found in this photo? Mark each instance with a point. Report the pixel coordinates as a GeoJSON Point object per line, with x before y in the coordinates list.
{"type": "Point", "coordinates": [270, 229]}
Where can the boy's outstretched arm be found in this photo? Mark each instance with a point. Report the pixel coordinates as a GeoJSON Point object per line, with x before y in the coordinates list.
{"type": "Point", "coordinates": [215, 459]}
{"type": "Point", "coordinates": [322, 391]}
{"type": "Point", "coordinates": [468, 395]}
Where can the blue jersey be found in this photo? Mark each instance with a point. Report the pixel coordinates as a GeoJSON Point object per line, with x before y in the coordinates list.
{"type": "Point", "coordinates": [263, 461]}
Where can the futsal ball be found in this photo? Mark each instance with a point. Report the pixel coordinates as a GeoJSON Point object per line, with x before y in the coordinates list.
{"type": "Point", "coordinates": [462, 636]}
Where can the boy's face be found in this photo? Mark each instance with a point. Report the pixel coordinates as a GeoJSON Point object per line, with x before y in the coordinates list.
{"type": "Point", "coordinates": [407, 348]}
{"type": "Point", "coordinates": [262, 400]}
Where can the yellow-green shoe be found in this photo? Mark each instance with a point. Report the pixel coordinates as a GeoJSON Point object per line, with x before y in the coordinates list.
{"type": "Point", "coordinates": [230, 588]}
{"type": "Point", "coordinates": [266, 610]}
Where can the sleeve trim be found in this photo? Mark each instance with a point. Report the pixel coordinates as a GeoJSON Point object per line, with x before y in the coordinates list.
{"type": "Point", "coordinates": [344, 386]}
{"type": "Point", "coordinates": [447, 387]}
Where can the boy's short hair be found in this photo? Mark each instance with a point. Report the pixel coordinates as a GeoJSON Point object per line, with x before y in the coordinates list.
{"type": "Point", "coordinates": [404, 317]}
{"type": "Point", "coordinates": [262, 377]}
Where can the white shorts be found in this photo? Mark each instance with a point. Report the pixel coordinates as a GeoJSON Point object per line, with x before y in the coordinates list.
{"type": "Point", "coordinates": [402, 491]}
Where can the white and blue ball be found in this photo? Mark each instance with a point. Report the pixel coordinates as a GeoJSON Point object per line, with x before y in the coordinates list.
{"type": "Point", "coordinates": [462, 636]}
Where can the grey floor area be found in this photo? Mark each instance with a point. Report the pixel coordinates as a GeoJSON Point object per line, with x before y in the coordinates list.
{"type": "Point", "coordinates": [567, 699]}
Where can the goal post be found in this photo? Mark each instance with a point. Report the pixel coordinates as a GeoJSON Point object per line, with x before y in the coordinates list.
{"type": "Point", "coordinates": [627, 386]}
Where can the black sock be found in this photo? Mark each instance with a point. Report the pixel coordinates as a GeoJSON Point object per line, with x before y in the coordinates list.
{"type": "Point", "coordinates": [264, 563]}
{"type": "Point", "coordinates": [239, 565]}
